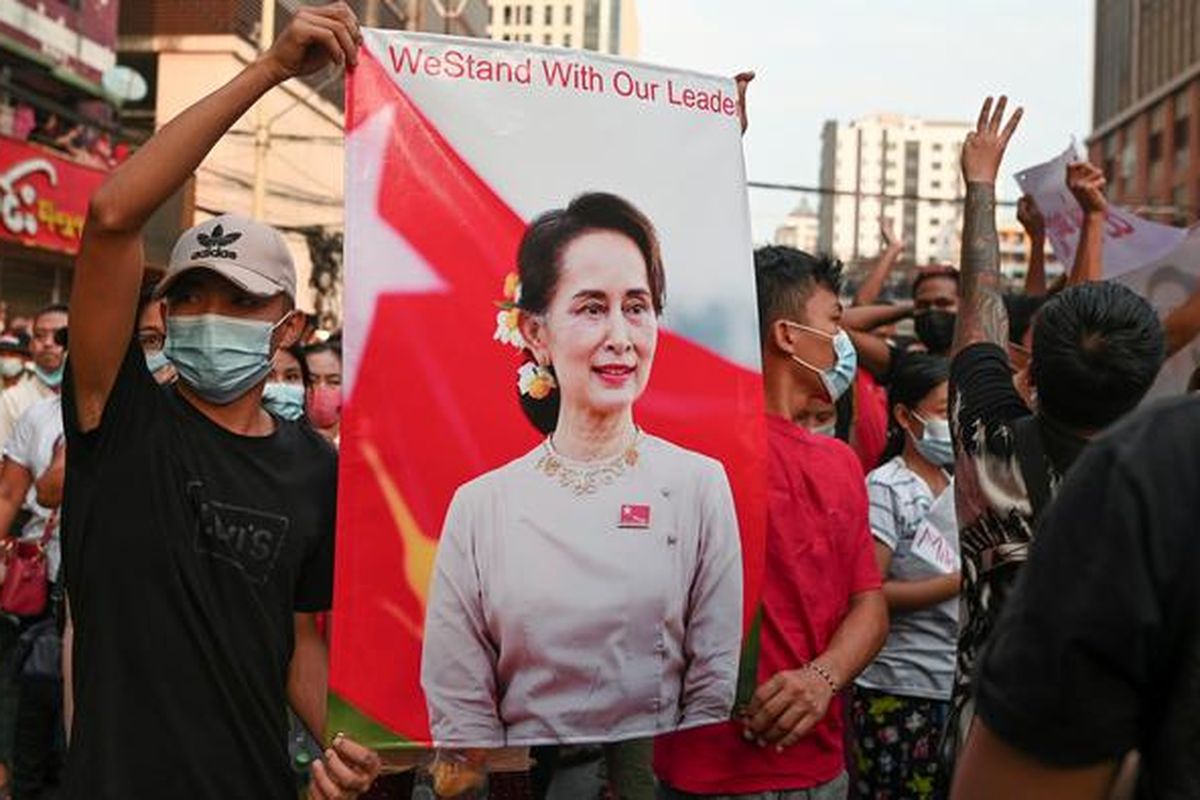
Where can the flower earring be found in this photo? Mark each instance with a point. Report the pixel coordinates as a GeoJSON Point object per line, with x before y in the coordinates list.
{"type": "Point", "coordinates": [535, 381]}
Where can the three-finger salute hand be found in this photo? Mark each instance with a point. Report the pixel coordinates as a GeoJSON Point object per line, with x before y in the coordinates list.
{"type": "Point", "coordinates": [315, 37]}
{"type": "Point", "coordinates": [984, 147]}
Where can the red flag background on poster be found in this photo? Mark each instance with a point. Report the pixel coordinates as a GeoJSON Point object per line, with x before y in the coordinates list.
{"type": "Point", "coordinates": [439, 192]}
{"type": "Point", "coordinates": [43, 197]}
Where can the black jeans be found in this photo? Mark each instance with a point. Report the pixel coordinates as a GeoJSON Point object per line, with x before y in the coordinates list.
{"type": "Point", "coordinates": [38, 750]}
{"type": "Point", "coordinates": [39, 745]}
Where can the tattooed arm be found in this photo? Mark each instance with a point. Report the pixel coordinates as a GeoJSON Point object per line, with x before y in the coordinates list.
{"type": "Point", "coordinates": [981, 314]}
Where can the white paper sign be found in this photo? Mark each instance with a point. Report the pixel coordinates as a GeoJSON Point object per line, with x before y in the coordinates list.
{"type": "Point", "coordinates": [936, 540]}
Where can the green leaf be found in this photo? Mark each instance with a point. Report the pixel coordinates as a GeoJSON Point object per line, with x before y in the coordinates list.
{"type": "Point", "coordinates": [748, 666]}
{"type": "Point", "coordinates": [345, 718]}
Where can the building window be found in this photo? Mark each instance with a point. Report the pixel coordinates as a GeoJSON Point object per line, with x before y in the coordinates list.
{"type": "Point", "coordinates": [1183, 131]}
{"type": "Point", "coordinates": [937, 147]}
{"type": "Point", "coordinates": [568, 12]}
{"type": "Point", "coordinates": [528, 38]}
{"type": "Point", "coordinates": [546, 38]}
{"type": "Point", "coordinates": [1156, 147]}
{"type": "Point", "coordinates": [491, 14]}
{"type": "Point", "coordinates": [935, 184]}
{"type": "Point", "coordinates": [567, 36]}
{"type": "Point", "coordinates": [1128, 156]}
{"type": "Point", "coordinates": [507, 38]}
{"type": "Point", "coordinates": [591, 25]}
{"type": "Point", "coordinates": [528, 15]}
{"type": "Point", "coordinates": [1180, 200]}
{"type": "Point", "coordinates": [508, 15]}
{"type": "Point", "coordinates": [936, 165]}
{"type": "Point", "coordinates": [548, 15]}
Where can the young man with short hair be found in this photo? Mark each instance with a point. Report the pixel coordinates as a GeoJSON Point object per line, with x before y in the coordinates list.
{"type": "Point", "coordinates": [1097, 348]}
{"type": "Point", "coordinates": [198, 528]}
{"type": "Point", "coordinates": [823, 616]}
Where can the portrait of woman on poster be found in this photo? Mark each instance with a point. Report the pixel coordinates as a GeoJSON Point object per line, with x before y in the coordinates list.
{"type": "Point", "coordinates": [590, 590]}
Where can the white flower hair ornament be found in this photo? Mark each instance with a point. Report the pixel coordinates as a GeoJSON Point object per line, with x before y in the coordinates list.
{"type": "Point", "coordinates": [508, 330]}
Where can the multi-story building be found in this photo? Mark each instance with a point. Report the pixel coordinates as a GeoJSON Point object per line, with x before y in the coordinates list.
{"type": "Point", "coordinates": [890, 167]}
{"type": "Point", "coordinates": [1146, 104]}
{"type": "Point", "coordinates": [454, 17]}
{"type": "Point", "coordinates": [185, 50]}
{"type": "Point", "coordinates": [604, 26]}
{"type": "Point", "coordinates": [799, 229]}
{"type": "Point", "coordinates": [58, 137]}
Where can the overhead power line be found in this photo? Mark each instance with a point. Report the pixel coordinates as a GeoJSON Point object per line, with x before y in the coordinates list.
{"type": "Point", "coordinates": [793, 187]}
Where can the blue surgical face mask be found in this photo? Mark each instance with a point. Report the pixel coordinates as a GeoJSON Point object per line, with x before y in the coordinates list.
{"type": "Point", "coordinates": [935, 443]}
{"type": "Point", "coordinates": [284, 399]}
{"type": "Point", "coordinates": [156, 360]}
{"type": "Point", "coordinates": [51, 379]}
{"type": "Point", "coordinates": [220, 358]}
{"type": "Point", "coordinates": [838, 378]}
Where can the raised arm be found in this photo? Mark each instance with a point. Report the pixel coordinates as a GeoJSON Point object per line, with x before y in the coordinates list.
{"type": "Point", "coordinates": [1030, 217]}
{"type": "Point", "coordinates": [868, 318]}
{"type": "Point", "coordinates": [1086, 182]}
{"type": "Point", "coordinates": [893, 248]}
{"type": "Point", "coordinates": [981, 314]}
{"type": "Point", "coordinates": [108, 270]}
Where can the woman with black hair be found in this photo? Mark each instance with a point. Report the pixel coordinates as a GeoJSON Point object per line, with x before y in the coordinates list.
{"type": "Point", "coordinates": [591, 590]}
{"type": "Point", "coordinates": [900, 703]}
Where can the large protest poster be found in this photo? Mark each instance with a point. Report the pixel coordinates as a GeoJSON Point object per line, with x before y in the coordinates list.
{"type": "Point", "coordinates": [1159, 262]}
{"type": "Point", "coordinates": [454, 147]}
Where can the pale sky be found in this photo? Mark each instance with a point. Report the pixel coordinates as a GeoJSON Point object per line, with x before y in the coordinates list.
{"type": "Point", "coordinates": [843, 59]}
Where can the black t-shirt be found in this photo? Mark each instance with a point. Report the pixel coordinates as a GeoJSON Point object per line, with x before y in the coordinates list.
{"type": "Point", "coordinates": [991, 494]}
{"type": "Point", "coordinates": [1098, 650]}
{"type": "Point", "coordinates": [187, 549]}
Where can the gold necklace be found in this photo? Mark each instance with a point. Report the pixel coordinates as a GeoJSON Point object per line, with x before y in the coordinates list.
{"type": "Point", "coordinates": [587, 478]}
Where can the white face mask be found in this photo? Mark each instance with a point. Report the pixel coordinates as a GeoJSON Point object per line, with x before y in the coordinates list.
{"type": "Point", "coordinates": [11, 366]}
{"type": "Point", "coordinates": [829, 430]}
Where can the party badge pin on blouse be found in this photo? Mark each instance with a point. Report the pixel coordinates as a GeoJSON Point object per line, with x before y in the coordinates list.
{"type": "Point", "coordinates": [634, 516]}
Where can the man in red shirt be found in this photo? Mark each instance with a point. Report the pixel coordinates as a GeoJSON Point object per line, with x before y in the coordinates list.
{"type": "Point", "coordinates": [822, 616]}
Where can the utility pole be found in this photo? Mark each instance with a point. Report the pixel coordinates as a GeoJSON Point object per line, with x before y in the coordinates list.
{"type": "Point", "coordinates": [262, 129]}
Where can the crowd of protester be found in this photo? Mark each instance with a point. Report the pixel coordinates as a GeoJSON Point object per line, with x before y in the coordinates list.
{"type": "Point", "coordinates": [979, 548]}
{"type": "Point", "coordinates": [85, 143]}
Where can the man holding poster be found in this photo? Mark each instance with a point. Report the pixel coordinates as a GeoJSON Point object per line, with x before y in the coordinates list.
{"type": "Point", "coordinates": [197, 526]}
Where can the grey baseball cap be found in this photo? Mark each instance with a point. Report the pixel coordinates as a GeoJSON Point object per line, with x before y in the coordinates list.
{"type": "Point", "coordinates": [249, 253]}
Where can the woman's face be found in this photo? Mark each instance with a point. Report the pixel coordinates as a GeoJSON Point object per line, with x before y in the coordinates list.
{"type": "Point", "coordinates": [285, 368]}
{"type": "Point", "coordinates": [325, 369]}
{"type": "Point", "coordinates": [935, 405]}
{"type": "Point", "coordinates": [600, 329]}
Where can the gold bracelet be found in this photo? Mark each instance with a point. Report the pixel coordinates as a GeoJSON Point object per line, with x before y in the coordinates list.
{"type": "Point", "coordinates": [825, 675]}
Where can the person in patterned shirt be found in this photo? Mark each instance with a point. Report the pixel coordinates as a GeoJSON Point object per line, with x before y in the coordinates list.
{"type": "Point", "coordinates": [1097, 348]}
